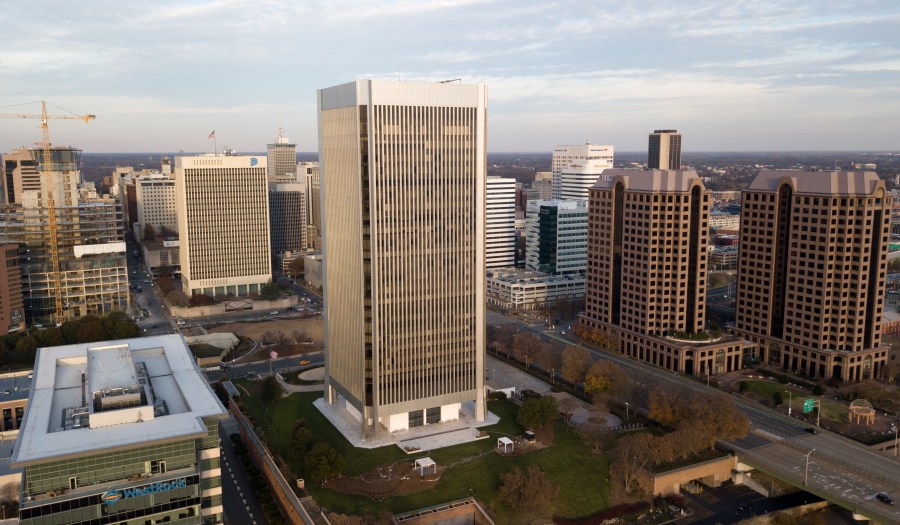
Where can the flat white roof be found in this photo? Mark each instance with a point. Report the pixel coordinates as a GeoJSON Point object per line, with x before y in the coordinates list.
{"type": "Point", "coordinates": [58, 385]}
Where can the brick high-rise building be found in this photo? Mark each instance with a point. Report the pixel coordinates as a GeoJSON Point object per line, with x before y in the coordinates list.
{"type": "Point", "coordinates": [646, 274]}
{"type": "Point", "coordinates": [811, 274]}
{"type": "Point", "coordinates": [403, 181]}
{"type": "Point", "coordinates": [12, 312]}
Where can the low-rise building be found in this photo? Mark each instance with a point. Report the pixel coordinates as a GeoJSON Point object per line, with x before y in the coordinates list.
{"type": "Point", "coordinates": [516, 288]}
{"type": "Point", "coordinates": [159, 253]}
{"type": "Point", "coordinates": [120, 432]}
{"type": "Point", "coordinates": [722, 220]}
{"type": "Point", "coordinates": [723, 257]}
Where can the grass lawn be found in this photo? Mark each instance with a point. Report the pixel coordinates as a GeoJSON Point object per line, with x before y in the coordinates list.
{"type": "Point", "coordinates": [831, 410]}
{"type": "Point", "coordinates": [583, 481]}
{"type": "Point", "coordinates": [205, 350]}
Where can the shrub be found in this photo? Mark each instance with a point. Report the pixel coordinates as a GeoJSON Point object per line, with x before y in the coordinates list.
{"type": "Point", "coordinates": [778, 399]}
{"type": "Point", "coordinates": [818, 390]}
{"type": "Point", "coordinates": [742, 386]}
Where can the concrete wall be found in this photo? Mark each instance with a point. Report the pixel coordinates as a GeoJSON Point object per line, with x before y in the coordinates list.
{"type": "Point", "coordinates": [216, 309]}
{"type": "Point", "coordinates": [461, 512]}
{"type": "Point", "coordinates": [710, 473]}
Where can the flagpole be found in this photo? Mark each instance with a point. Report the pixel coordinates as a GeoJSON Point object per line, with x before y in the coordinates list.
{"type": "Point", "coordinates": [215, 147]}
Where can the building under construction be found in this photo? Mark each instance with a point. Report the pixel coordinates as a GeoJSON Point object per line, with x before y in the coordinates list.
{"type": "Point", "coordinates": [92, 277]}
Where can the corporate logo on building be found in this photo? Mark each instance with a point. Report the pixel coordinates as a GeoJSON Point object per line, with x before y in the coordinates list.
{"type": "Point", "coordinates": [253, 161]}
{"type": "Point", "coordinates": [112, 496]}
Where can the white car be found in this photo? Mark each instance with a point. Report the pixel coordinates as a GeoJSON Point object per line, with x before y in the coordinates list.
{"type": "Point", "coordinates": [273, 313]}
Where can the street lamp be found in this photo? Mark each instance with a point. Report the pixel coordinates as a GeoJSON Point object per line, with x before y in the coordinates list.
{"type": "Point", "coordinates": [895, 428]}
{"type": "Point", "coordinates": [790, 401]}
{"type": "Point", "coordinates": [626, 411]}
{"type": "Point", "coordinates": [806, 476]}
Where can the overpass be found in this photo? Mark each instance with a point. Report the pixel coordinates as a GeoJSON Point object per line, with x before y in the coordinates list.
{"type": "Point", "coordinates": [840, 471]}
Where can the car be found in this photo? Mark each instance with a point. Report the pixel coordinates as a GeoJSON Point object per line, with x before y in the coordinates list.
{"type": "Point", "coordinates": [305, 362]}
{"type": "Point", "coordinates": [744, 505]}
{"type": "Point", "coordinates": [155, 326]}
{"type": "Point", "coordinates": [812, 430]}
{"type": "Point", "coordinates": [273, 313]}
{"type": "Point", "coordinates": [562, 333]}
{"type": "Point", "coordinates": [884, 498]}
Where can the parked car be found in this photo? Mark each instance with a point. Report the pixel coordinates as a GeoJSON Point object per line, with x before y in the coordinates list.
{"type": "Point", "coordinates": [884, 498]}
{"type": "Point", "coordinates": [305, 362]}
{"type": "Point", "coordinates": [812, 430]}
{"type": "Point", "coordinates": [744, 505]}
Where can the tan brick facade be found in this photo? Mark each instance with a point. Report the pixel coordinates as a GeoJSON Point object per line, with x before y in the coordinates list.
{"type": "Point", "coordinates": [811, 275]}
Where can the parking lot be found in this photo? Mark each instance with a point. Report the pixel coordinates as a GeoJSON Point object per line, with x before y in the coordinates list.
{"type": "Point", "coordinates": [730, 503]}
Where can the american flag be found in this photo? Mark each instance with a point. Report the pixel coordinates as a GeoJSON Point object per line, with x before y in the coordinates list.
{"type": "Point", "coordinates": [273, 354]}
{"type": "Point", "coordinates": [212, 135]}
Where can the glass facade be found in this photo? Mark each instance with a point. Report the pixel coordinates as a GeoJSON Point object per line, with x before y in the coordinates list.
{"type": "Point", "coordinates": [158, 483]}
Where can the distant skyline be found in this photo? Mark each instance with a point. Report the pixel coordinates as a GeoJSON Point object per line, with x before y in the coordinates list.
{"type": "Point", "coordinates": [738, 76]}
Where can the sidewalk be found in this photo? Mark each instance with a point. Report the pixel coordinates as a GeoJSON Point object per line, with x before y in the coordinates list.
{"type": "Point", "coordinates": [316, 374]}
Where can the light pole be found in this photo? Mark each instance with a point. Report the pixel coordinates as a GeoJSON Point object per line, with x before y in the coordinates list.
{"type": "Point", "coordinates": [526, 362]}
{"type": "Point", "coordinates": [626, 411]}
{"type": "Point", "coordinates": [806, 476]}
{"type": "Point", "coordinates": [790, 401]}
{"type": "Point", "coordinates": [895, 428]}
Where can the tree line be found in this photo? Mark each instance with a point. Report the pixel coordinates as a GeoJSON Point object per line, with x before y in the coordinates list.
{"type": "Point", "coordinates": [18, 349]}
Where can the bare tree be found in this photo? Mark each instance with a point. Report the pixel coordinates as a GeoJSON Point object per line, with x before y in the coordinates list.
{"type": "Point", "coordinates": [597, 438]}
{"type": "Point", "coordinates": [630, 456]}
{"type": "Point", "coordinates": [528, 490]}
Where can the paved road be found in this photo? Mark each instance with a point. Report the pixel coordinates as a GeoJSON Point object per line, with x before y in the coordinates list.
{"type": "Point", "coordinates": [873, 469]}
{"type": "Point", "coordinates": [238, 498]}
{"type": "Point", "coordinates": [281, 364]}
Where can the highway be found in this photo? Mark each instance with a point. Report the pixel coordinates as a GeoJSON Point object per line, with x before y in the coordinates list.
{"type": "Point", "coordinates": [783, 442]}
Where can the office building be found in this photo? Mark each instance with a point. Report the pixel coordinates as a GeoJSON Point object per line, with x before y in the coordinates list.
{"type": "Point", "coordinates": [287, 218]}
{"type": "Point", "coordinates": [664, 150]}
{"type": "Point", "coordinates": [556, 236]}
{"type": "Point", "coordinates": [812, 268]}
{"type": "Point", "coordinates": [724, 221]}
{"type": "Point", "coordinates": [500, 220]}
{"type": "Point", "coordinates": [576, 169]}
{"type": "Point", "coordinates": [282, 159]}
{"type": "Point", "coordinates": [309, 172]}
{"type": "Point", "coordinates": [19, 174]}
{"type": "Point", "coordinates": [155, 203]}
{"type": "Point", "coordinates": [120, 432]}
{"type": "Point", "coordinates": [647, 267]}
{"type": "Point", "coordinates": [520, 289]}
{"type": "Point", "coordinates": [403, 181]}
{"type": "Point", "coordinates": [162, 255]}
{"type": "Point", "coordinates": [12, 309]}
{"type": "Point", "coordinates": [222, 203]}
{"type": "Point", "coordinates": [89, 273]}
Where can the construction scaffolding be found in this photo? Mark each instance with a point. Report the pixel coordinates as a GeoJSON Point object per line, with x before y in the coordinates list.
{"type": "Point", "coordinates": [84, 262]}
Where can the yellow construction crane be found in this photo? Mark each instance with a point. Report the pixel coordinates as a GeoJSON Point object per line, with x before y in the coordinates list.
{"type": "Point", "coordinates": [55, 274]}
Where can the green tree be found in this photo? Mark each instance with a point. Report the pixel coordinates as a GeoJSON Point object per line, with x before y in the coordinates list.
{"type": "Point", "coordinates": [323, 462]}
{"type": "Point", "coordinates": [537, 412]}
{"type": "Point", "coordinates": [777, 398]}
{"type": "Point", "coordinates": [270, 291]}
{"type": "Point", "coordinates": [528, 490]}
{"type": "Point", "coordinates": [743, 386]}
{"type": "Point", "coordinates": [271, 390]}
{"type": "Point", "coordinates": [818, 390]}
{"type": "Point", "coordinates": [302, 438]}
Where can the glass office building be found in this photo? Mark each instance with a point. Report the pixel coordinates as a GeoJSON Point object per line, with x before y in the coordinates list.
{"type": "Point", "coordinates": [120, 432]}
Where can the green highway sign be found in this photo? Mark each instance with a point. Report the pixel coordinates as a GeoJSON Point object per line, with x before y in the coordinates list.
{"type": "Point", "coordinates": [808, 405]}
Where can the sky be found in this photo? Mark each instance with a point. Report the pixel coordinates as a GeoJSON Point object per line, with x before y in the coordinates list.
{"type": "Point", "coordinates": [732, 75]}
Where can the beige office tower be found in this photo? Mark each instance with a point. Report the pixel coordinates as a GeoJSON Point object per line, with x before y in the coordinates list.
{"type": "Point", "coordinates": [811, 273]}
{"type": "Point", "coordinates": [403, 183]}
{"type": "Point", "coordinates": [646, 278]}
{"type": "Point", "coordinates": [282, 159]}
{"type": "Point", "coordinates": [308, 172]}
{"type": "Point", "coordinates": [664, 150]}
{"type": "Point", "coordinates": [222, 203]}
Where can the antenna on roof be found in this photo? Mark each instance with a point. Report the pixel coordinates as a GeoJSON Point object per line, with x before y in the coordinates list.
{"type": "Point", "coordinates": [449, 81]}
